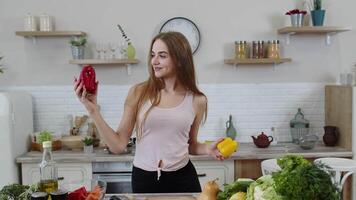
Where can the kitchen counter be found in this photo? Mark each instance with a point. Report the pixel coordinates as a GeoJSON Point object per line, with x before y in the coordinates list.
{"type": "Point", "coordinates": [246, 151]}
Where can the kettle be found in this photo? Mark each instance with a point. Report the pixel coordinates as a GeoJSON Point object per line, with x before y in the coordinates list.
{"type": "Point", "coordinates": [262, 140]}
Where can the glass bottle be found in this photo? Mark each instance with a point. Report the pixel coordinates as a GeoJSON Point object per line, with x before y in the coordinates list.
{"type": "Point", "coordinates": [230, 129]}
{"type": "Point", "coordinates": [48, 170]}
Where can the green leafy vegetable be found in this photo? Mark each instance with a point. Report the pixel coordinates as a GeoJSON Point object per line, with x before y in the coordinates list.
{"type": "Point", "coordinates": [44, 136]}
{"type": "Point", "coordinates": [240, 185]}
{"type": "Point", "coordinates": [299, 179]}
{"type": "Point", "coordinates": [263, 188]}
{"type": "Point", "coordinates": [17, 191]}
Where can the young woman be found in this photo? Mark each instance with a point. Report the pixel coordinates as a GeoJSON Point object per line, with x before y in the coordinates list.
{"type": "Point", "coordinates": [166, 111]}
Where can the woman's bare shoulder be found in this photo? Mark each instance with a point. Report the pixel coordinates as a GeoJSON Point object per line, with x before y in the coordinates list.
{"type": "Point", "coordinates": [135, 92]}
{"type": "Point", "coordinates": [199, 100]}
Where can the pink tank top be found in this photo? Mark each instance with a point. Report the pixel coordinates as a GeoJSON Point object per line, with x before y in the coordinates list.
{"type": "Point", "coordinates": [165, 136]}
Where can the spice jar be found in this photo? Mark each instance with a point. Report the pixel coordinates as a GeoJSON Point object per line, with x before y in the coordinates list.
{"type": "Point", "coordinates": [277, 49]}
{"type": "Point", "coordinates": [261, 48]}
{"type": "Point", "coordinates": [255, 49]}
{"type": "Point", "coordinates": [241, 49]}
{"type": "Point", "coordinates": [270, 49]}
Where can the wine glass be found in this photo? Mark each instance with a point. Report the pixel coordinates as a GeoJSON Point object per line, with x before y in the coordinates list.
{"type": "Point", "coordinates": [98, 50]}
{"type": "Point", "coordinates": [113, 46]}
{"type": "Point", "coordinates": [123, 47]}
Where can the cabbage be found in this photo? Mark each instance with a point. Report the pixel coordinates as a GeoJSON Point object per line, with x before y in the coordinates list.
{"type": "Point", "coordinates": [263, 189]}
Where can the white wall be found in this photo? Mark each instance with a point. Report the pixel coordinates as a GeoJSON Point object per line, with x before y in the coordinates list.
{"type": "Point", "coordinates": [220, 24]}
{"type": "Point", "coordinates": [254, 108]}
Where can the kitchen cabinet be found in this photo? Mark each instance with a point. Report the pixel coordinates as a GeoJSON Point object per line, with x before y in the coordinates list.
{"type": "Point", "coordinates": [339, 107]}
{"type": "Point", "coordinates": [75, 174]}
{"type": "Point", "coordinates": [327, 30]}
{"type": "Point", "coordinates": [210, 170]}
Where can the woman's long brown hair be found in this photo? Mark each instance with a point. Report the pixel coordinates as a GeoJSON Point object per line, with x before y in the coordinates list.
{"type": "Point", "coordinates": [181, 53]}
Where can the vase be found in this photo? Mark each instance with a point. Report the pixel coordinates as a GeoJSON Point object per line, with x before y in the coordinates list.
{"type": "Point", "coordinates": [297, 20]}
{"type": "Point", "coordinates": [318, 17]}
{"type": "Point", "coordinates": [230, 129]}
{"type": "Point", "coordinates": [130, 51]}
{"type": "Point", "coordinates": [77, 52]}
{"type": "Point", "coordinates": [331, 135]}
{"type": "Point", "coordinates": [88, 149]}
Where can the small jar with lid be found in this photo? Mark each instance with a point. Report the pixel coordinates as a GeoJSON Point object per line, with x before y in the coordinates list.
{"type": "Point", "coordinates": [270, 49]}
{"type": "Point", "coordinates": [240, 49]}
{"type": "Point", "coordinates": [255, 47]}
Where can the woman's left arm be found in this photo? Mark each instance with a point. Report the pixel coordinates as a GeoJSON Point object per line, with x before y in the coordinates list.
{"type": "Point", "coordinates": [195, 147]}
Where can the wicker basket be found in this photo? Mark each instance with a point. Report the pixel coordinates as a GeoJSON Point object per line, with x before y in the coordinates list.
{"type": "Point", "coordinates": [298, 133]}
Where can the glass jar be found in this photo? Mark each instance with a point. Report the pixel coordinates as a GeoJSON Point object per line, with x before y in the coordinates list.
{"type": "Point", "coordinates": [30, 23]}
{"type": "Point", "coordinates": [299, 126]}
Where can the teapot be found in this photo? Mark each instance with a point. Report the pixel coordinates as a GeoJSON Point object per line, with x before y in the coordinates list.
{"type": "Point", "coordinates": [262, 140]}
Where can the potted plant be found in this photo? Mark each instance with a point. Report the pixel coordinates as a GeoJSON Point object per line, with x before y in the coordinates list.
{"type": "Point", "coordinates": [130, 49]}
{"type": "Point", "coordinates": [88, 144]}
{"type": "Point", "coordinates": [317, 14]}
{"type": "Point", "coordinates": [297, 17]}
{"type": "Point", "coordinates": [77, 46]}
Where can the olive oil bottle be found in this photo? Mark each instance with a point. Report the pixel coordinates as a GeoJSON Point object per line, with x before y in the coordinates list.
{"type": "Point", "coordinates": [48, 170]}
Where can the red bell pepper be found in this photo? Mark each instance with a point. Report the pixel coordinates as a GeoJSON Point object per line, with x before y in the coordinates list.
{"type": "Point", "coordinates": [87, 77]}
{"type": "Point", "coordinates": [78, 194]}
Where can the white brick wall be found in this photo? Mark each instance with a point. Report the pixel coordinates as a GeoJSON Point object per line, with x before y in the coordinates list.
{"type": "Point", "coordinates": [254, 107]}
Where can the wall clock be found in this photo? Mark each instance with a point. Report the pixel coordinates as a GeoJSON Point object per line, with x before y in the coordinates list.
{"type": "Point", "coordinates": [186, 27]}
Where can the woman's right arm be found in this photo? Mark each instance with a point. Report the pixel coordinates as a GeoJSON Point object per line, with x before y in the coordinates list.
{"type": "Point", "coordinates": [116, 141]}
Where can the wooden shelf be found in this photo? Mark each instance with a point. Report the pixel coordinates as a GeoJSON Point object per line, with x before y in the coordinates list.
{"type": "Point", "coordinates": [313, 29]}
{"type": "Point", "coordinates": [327, 30]}
{"type": "Point", "coordinates": [127, 62]}
{"type": "Point", "coordinates": [104, 61]}
{"type": "Point", "coordinates": [49, 33]}
{"type": "Point", "coordinates": [257, 61]}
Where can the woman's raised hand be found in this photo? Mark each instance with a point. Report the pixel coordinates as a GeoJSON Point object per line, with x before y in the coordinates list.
{"type": "Point", "coordinates": [88, 100]}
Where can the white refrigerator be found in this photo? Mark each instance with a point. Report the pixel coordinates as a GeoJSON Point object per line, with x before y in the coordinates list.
{"type": "Point", "coordinates": [16, 125]}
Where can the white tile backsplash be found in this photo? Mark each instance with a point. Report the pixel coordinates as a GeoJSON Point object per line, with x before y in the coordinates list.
{"type": "Point", "coordinates": [254, 107]}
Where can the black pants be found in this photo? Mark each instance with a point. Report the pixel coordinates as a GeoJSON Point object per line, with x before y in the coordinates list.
{"type": "Point", "coordinates": [180, 181]}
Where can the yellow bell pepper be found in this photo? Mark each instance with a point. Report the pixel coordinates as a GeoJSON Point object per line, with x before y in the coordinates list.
{"type": "Point", "coordinates": [227, 147]}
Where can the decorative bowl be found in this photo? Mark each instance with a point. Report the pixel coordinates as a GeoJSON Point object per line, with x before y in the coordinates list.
{"type": "Point", "coordinates": [308, 142]}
